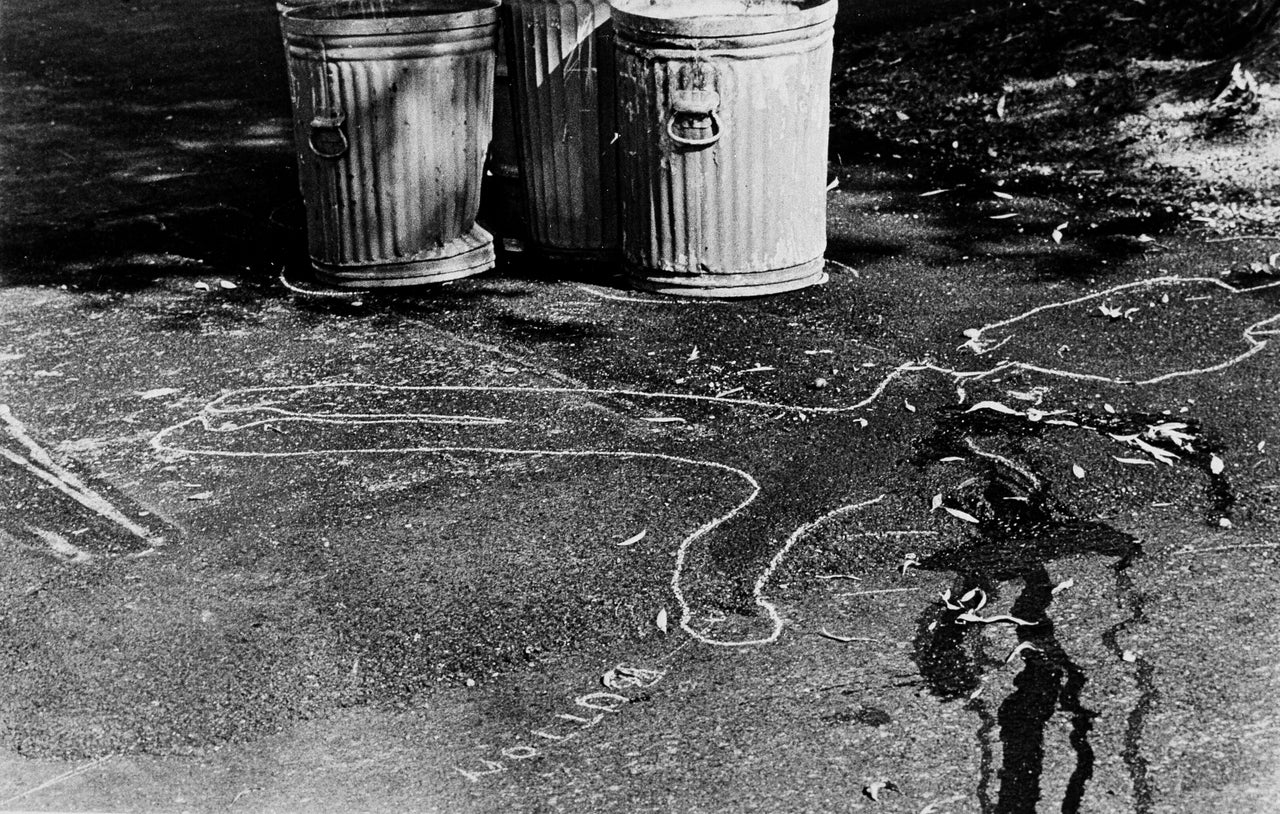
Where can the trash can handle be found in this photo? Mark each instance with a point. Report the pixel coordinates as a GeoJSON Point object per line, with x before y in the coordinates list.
{"type": "Point", "coordinates": [694, 103]}
{"type": "Point", "coordinates": [332, 141]}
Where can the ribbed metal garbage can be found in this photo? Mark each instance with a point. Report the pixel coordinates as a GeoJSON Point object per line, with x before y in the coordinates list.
{"type": "Point", "coordinates": [393, 108]}
{"type": "Point", "coordinates": [562, 67]}
{"type": "Point", "coordinates": [723, 111]}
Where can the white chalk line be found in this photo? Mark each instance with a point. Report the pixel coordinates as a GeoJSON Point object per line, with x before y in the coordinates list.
{"type": "Point", "coordinates": [1250, 334]}
{"type": "Point", "coordinates": [38, 462]}
{"type": "Point", "coordinates": [208, 421]}
{"type": "Point", "coordinates": [217, 408]}
{"type": "Point", "coordinates": [79, 770]}
{"type": "Point", "coordinates": [604, 295]}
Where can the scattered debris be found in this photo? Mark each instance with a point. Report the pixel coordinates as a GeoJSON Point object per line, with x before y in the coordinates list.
{"type": "Point", "coordinates": [156, 393]}
{"type": "Point", "coordinates": [907, 562]}
{"type": "Point", "coordinates": [872, 790]}
{"type": "Point", "coordinates": [756, 369]}
{"type": "Point", "coordinates": [911, 408]}
{"type": "Point", "coordinates": [1062, 586]}
{"type": "Point", "coordinates": [1129, 656]}
{"type": "Point", "coordinates": [1112, 312]}
{"type": "Point", "coordinates": [1164, 456]}
{"type": "Point", "coordinates": [663, 419]}
{"type": "Point", "coordinates": [200, 496]}
{"type": "Point", "coordinates": [693, 355]}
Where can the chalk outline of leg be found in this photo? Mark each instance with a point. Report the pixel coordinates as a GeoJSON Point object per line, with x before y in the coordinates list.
{"type": "Point", "coordinates": [211, 419]}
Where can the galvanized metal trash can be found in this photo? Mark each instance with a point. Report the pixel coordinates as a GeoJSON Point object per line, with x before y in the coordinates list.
{"type": "Point", "coordinates": [723, 112]}
{"type": "Point", "coordinates": [393, 108]}
{"type": "Point", "coordinates": [562, 67]}
{"type": "Point", "coordinates": [502, 209]}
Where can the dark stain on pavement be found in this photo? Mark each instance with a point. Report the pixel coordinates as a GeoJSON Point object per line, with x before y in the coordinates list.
{"type": "Point", "coordinates": [1020, 531]}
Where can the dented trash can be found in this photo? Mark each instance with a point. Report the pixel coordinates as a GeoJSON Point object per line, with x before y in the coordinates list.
{"type": "Point", "coordinates": [393, 105]}
{"type": "Point", "coordinates": [723, 112]}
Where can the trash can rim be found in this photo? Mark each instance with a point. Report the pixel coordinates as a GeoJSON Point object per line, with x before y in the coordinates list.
{"type": "Point", "coordinates": [640, 16]}
{"type": "Point", "coordinates": [357, 17]}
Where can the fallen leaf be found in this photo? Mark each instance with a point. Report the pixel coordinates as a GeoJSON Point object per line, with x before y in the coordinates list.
{"type": "Point", "coordinates": [1216, 465]}
{"type": "Point", "coordinates": [994, 405]}
{"type": "Point", "coordinates": [200, 496]}
{"type": "Point", "coordinates": [970, 616]}
{"type": "Point", "coordinates": [1005, 216]}
{"type": "Point", "coordinates": [635, 539]}
{"type": "Point", "coordinates": [933, 192]}
{"type": "Point", "coordinates": [1018, 651]}
{"type": "Point", "coordinates": [159, 392]}
{"type": "Point", "coordinates": [756, 369]}
{"type": "Point", "coordinates": [1173, 430]}
{"type": "Point", "coordinates": [835, 637]}
{"type": "Point", "coordinates": [1077, 470]}
{"type": "Point", "coordinates": [902, 117]}
{"type": "Point", "coordinates": [1108, 408]}
{"type": "Point", "coordinates": [1002, 195]}
{"type": "Point", "coordinates": [1134, 461]}
{"type": "Point", "coordinates": [936, 503]}
{"type": "Point", "coordinates": [1056, 235]}
{"type": "Point", "coordinates": [1000, 105]}
{"type": "Point", "coordinates": [227, 284]}
{"type": "Point", "coordinates": [1062, 586]}
{"type": "Point", "coordinates": [970, 594]}
{"type": "Point", "coordinates": [1129, 656]}
{"type": "Point", "coordinates": [965, 516]}
{"type": "Point", "coordinates": [661, 621]}
{"type": "Point", "coordinates": [911, 408]}
{"type": "Point", "coordinates": [693, 356]}
{"type": "Point", "coordinates": [663, 419]}
{"type": "Point", "coordinates": [203, 286]}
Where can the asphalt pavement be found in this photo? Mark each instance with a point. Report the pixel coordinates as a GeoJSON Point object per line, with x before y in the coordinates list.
{"type": "Point", "coordinates": [984, 523]}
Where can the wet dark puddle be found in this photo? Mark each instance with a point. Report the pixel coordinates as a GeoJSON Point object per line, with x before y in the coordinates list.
{"type": "Point", "coordinates": [1020, 530]}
